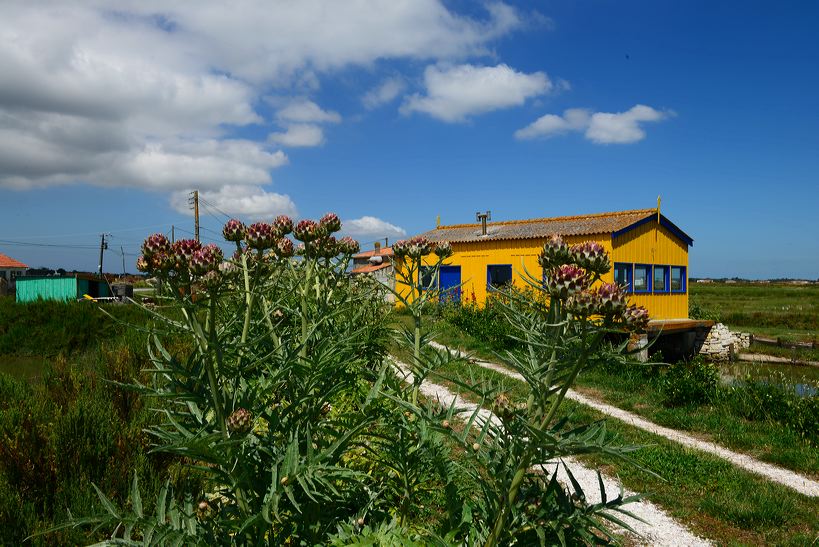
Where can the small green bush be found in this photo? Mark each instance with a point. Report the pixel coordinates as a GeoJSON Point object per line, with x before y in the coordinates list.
{"type": "Point", "coordinates": [485, 323]}
{"type": "Point", "coordinates": [689, 383]}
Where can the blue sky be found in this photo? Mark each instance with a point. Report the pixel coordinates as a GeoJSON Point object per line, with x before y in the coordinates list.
{"type": "Point", "coordinates": [391, 113]}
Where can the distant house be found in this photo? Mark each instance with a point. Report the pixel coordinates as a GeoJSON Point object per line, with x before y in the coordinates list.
{"type": "Point", "coordinates": [64, 288]}
{"type": "Point", "coordinates": [378, 264]}
{"type": "Point", "coordinates": [649, 255]}
{"type": "Point", "coordinates": [10, 270]}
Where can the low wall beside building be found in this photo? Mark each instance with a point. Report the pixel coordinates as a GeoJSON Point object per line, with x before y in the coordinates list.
{"type": "Point", "coordinates": [719, 343]}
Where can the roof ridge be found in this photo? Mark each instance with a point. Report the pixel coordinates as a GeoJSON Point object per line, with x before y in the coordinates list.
{"type": "Point", "coordinates": [544, 219]}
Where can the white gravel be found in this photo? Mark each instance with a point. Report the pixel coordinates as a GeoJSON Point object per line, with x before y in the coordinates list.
{"type": "Point", "coordinates": [656, 527]}
{"type": "Point", "coordinates": [800, 483]}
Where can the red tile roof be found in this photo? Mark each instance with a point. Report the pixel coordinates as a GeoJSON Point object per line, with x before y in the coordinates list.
{"type": "Point", "coordinates": [370, 268]}
{"type": "Point", "coordinates": [601, 223]}
{"type": "Point", "coordinates": [6, 262]}
{"type": "Point", "coordinates": [385, 251]}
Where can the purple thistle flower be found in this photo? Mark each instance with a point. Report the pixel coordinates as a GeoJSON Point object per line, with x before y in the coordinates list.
{"type": "Point", "coordinates": [143, 265]}
{"type": "Point", "coordinates": [330, 223]}
{"type": "Point", "coordinates": [156, 243]}
{"type": "Point", "coordinates": [306, 231]}
{"type": "Point", "coordinates": [555, 253]}
{"type": "Point", "coordinates": [566, 280]}
{"type": "Point", "coordinates": [636, 318]}
{"type": "Point", "coordinates": [284, 248]}
{"type": "Point", "coordinates": [239, 421]}
{"type": "Point", "coordinates": [348, 246]}
{"type": "Point", "coordinates": [183, 251]}
{"type": "Point", "coordinates": [206, 259]}
{"type": "Point", "coordinates": [443, 249]}
{"type": "Point", "coordinates": [282, 225]}
{"type": "Point", "coordinates": [234, 230]}
{"type": "Point", "coordinates": [259, 236]}
{"type": "Point", "coordinates": [400, 248]}
{"type": "Point", "coordinates": [591, 256]}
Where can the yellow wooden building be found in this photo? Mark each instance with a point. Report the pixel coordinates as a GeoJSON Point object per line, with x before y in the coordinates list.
{"type": "Point", "coordinates": [649, 255]}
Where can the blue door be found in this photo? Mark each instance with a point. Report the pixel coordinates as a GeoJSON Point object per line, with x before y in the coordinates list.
{"type": "Point", "coordinates": [450, 283]}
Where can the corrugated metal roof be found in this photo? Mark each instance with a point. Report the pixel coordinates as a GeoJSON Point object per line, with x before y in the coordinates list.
{"type": "Point", "coordinates": [601, 223]}
{"type": "Point", "coordinates": [8, 262]}
{"type": "Point", "coordinates": [370, 268]}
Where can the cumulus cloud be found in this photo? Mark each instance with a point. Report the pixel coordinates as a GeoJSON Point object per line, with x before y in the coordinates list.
{"type": "Point", "coordinates": [150, 93]}
{"type": "Point", "coordinates": [299, 135]}
{"type": "Point", "coordinates": [252, 202]}
{"type": "Point", "coordinates": [369, 226]}
{"type": "Point", "coordinates": [598, 127]}
{"type": "Point", "coordinates": [457, 92]}
{"type": "Point", "coordinates": [384, 93]}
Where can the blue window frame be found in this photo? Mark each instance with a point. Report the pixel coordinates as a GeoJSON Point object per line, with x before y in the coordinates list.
{"type": "Point", "coordinates": [660, 281]}
{"type": "Point", "coordinates": [498, 275]}
{"type": "Point", "coordinates": [679, 279]}
{"type": "Point", "coordinates": [641, 280]}
{"type": "Point", "coordinates": [624, 275]}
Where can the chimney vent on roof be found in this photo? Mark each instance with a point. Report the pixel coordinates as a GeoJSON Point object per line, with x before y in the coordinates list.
{"type": "Point", "coordinates": [482, 218]}
{"type": "Point", "coordinates": [378, 247]}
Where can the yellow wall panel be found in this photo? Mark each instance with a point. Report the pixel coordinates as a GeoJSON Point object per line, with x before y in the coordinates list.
{"type": "Point", "coordinates": [653, 244]}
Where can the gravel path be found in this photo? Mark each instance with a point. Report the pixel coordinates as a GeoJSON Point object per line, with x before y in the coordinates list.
{"type": "Point", "coordinates": [658, 528]}
{"type": "Point", "coordinates": [800, 483]}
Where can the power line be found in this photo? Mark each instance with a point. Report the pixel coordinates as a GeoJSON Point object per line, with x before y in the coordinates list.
{"type": "Point", "coordinates": [60, 245]}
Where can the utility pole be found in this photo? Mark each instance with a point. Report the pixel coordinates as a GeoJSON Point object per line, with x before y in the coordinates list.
{"type": "Point", "coordinates": [103, 246]}
{"type": "Point", "coordinates": [173, 235]}
{"type": "Point", "coordinates": [194, 202]}
{"type": "Point", "coordinates": [122, 251]}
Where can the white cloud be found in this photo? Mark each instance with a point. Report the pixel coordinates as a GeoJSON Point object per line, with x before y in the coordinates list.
{"type": "Point", "coordinates": [384, 93]}
{"type": "Point", "coordinates": [305, 111]}
{"type": "Point", "coordinates": [299, 135]}
{"type": "Point", "coordinates": [455, 93]}
{"type": "Point", "coordinates": [251, 202]}
{"type": "Point", "coordinates": [622, 127]}
{"type": "Point", "coordinates": [145, 93]}
{"type": "Point", "coordinates": [373, 227]}
{"type": "Point", "coordinates": [599, 127]}
{"type": "Point", "coordinates": [574, 119]}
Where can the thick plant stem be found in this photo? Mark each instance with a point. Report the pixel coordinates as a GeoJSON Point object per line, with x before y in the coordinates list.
{"type": "Point", "coordinates": [526, 458]}
{"type": "Point", "coordinates": [211, 363]}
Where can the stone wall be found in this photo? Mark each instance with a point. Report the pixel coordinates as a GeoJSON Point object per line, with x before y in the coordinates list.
{"type": "Point", "coordinates": [720, 343]}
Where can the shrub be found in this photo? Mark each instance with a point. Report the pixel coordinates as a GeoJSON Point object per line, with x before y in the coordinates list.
{"type": "Point", "coordinates": [65, 430]}
{"type": "Point", "coordinates": [689, 382]}
{"type": "Point", "coordinates": [306, 432]}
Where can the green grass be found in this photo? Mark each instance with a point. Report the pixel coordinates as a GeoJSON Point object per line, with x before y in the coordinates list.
{"type": "Point", "coordinates": [772, 309]}
{"type": "Point", "coordinates": [716, 499]}
{"type": "Point", "coordinates": [53, 328]}
{"type": "Point", "coordinates": [766, 440]}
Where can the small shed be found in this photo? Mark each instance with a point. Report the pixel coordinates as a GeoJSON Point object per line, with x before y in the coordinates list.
{"type": "Point", "coordinates": [64, 288]}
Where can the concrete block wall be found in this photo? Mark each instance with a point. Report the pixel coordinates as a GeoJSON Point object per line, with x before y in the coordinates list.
{"type": "Point", "coordinates": [720, 343]}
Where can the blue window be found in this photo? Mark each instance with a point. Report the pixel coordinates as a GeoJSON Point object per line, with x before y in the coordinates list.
{"type": "Point", "coordinates": [498, 275]}
{"type": "Point", "coordinates": [660, 279]}
{"type": "Point", "coordinates": [642, 278]}
{"type": "Point", "coordinates": [624, 275]}
{"type": "Point", "coordinates": [679, 281]}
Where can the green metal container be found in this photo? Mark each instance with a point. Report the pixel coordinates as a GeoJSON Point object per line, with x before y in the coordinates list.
{"type": "Point", "coordinates": [60, 288]}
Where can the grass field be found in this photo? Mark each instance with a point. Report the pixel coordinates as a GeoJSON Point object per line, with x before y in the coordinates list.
{"type": "Point", "coordinates": [778, 310]}
{"type": "Point", "coordinates": [775, 310]}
